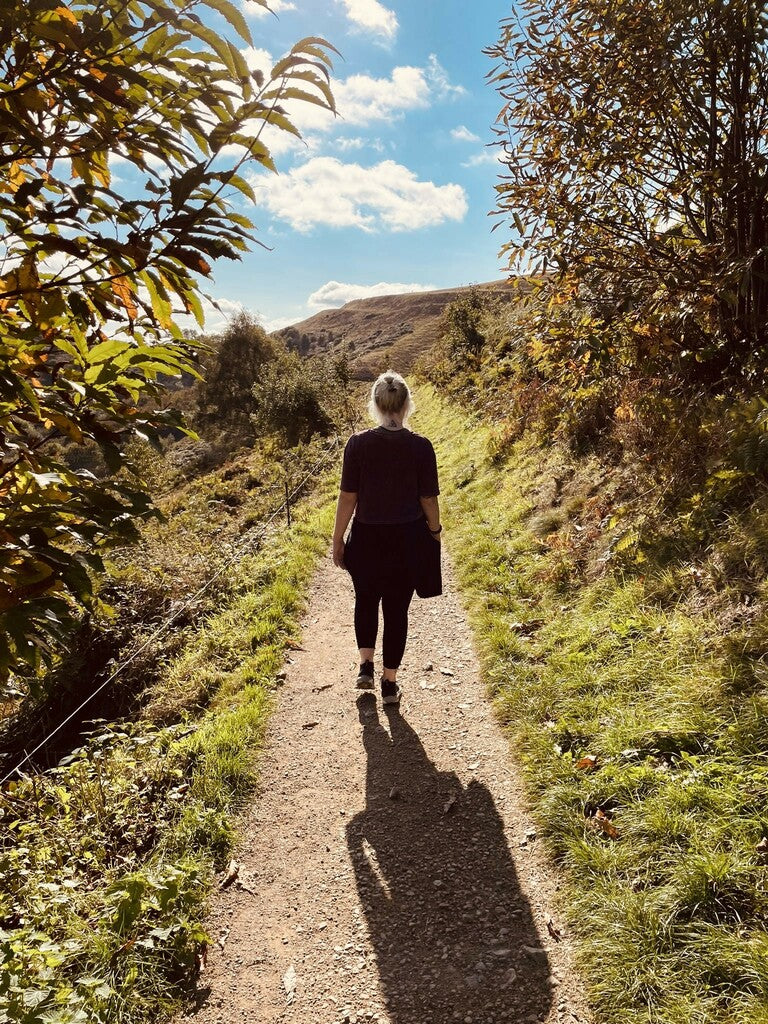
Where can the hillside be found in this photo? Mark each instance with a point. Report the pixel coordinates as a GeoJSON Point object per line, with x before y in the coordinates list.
{"type": "Point", "coordinates": [387, 329]}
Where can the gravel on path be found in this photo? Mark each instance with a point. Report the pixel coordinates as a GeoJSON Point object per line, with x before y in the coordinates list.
{"type": "Point", "coordinates": [388, 869]}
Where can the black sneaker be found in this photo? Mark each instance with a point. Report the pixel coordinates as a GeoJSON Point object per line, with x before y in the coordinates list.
{"type": "Point", "coordinates": [365, 676]}
{"type": "Point", "coordinates": [390, 692]}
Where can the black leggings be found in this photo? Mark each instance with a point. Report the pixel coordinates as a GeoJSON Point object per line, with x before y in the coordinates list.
{"type": "Point", "coordinates": [381, 559]}
{"type": "Point", "coordinates": [395, 599]}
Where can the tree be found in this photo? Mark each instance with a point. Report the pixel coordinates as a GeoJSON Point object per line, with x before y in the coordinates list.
{"type": "Point", "coordinates": [295, 397]}
{"type": "Point", "coordinates": [93, 270]}
{"type": "Point", "coordinates": [634, 137]}
{"type": "Point", "coordinates": [226, 394]}
{"type": "Point", "coordinates": [462, 325]}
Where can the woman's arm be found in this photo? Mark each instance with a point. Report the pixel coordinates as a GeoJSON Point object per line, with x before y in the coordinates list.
{"type": "Point", "coordinates": [344, 509]}
{"type": "Point", "coordinates": [431, 507]}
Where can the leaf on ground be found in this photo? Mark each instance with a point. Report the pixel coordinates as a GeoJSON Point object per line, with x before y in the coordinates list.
{"type": "Point", "coordinates": [587, 763]}
{"type": "Point", "coordinates": [553, 930]}
{"type": "Point", "coordinates": [526, 628]}
{"type": "Point", "coordinates": [310, 725]}
{"type": "Point", "coordinates": [394, 793]}
{"type": "Point", "coordinates": [222, 939]}
{"type": "Point", "coordinates": [449, 803]}
{"type": "Point", "coordinates": [232, 872]}
{"type": "Point", "coordinates": [289, 983]}
{"type": "Point", "coordinates": [604, 823]}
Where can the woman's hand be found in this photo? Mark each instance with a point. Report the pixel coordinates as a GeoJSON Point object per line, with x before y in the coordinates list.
{"type": "Point", "coordinates": [338, 552]}
{"type": "Point", "coordinates": [344, 509]}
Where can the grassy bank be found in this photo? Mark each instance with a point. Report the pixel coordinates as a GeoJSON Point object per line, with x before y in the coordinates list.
{"type": "Point", "coordinates": [107, 859]}
{"type": "Point", "coordinates": [636, 703]}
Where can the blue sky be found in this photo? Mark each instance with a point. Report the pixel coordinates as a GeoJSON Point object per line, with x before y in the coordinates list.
{"type": "Point", "coordinates": [395, 191]}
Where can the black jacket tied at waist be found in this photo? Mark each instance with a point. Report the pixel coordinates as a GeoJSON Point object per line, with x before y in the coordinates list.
{"type": "Point", "coordinates": [383, 553]}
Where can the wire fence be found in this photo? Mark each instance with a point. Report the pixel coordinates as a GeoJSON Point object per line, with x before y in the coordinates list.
{"type": "Point", "coordinates": [254, 534]}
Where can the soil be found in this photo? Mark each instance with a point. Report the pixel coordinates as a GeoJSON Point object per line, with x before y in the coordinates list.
{"type": "Point", "coordinates": [388, 870]}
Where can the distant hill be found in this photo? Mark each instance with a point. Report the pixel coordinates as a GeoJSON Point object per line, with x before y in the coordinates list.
{"type": "Point", "coordinates": [388, 330]}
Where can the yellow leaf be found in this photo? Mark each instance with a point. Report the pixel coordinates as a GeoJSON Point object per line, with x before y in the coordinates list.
{"type": "Point", "coordinates": [66, 14]}
{"type": "Point", "coordinates": [65, 425]}
{"type": "Point", "coordinates": [21, 284]}
{"type": "Point", "coordinates": [16, 175]}
{"type": "Point", "coordinates": [122, 288]}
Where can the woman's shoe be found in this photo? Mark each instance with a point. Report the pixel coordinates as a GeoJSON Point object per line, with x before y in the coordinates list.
{"type": "Point", "coordinates": [390, 692]}
{"type": "Point", "coordinates": [365, 676]}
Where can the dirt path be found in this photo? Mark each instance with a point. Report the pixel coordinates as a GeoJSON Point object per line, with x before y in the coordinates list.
{"type": "Point", "coordinates": [389, 871]}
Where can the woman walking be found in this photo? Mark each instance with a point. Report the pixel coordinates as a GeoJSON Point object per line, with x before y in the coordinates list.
{"type": "Point", "coordinates": [389, 481]}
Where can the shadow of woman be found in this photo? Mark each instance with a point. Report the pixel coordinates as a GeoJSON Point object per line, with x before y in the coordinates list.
{"type": "Point", "coordinates": [452, 932]}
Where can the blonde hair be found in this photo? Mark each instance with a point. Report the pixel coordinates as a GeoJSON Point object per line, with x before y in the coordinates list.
{"type": "Point", "coordinates": [390, 394]}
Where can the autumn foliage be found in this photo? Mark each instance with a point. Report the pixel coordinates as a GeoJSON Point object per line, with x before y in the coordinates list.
{"type": "Point", "coordinates": [125, 133]}
{"type": "Point", "coordinates": [634, 139]}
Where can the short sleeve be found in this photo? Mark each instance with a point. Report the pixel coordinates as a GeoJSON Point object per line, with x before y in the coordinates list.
{"type": "Point", "coordinates": [427, 470]}
{"type": "Point", "coordinates": [350, 472]}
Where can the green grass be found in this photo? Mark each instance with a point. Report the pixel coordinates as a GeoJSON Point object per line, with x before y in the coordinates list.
{"type": "Point", "coordinates": [107, 860]}
{"type": "Point", "coordinates": [636, 704]}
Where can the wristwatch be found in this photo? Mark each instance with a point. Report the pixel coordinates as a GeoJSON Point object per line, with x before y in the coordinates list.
{"type": "Point", "coordinates": [438, 530]}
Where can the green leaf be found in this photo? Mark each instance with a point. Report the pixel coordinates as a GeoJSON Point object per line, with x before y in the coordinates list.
{"type": "Point", "coordinates": [106, 350]}
{"type": "Point", "coordinates": [234, 17]}
{"type": "Point", "coordinates": [292, 93]}
{"type": "Point", "coordinates": [314, 41]}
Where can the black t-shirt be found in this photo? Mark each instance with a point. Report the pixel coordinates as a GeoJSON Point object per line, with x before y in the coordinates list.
{"type": "Point", "coordinates": [390, 470]}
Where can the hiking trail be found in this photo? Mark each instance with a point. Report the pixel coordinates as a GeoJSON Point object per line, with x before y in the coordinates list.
{"type": "Point", "coordinates": [389, 871]}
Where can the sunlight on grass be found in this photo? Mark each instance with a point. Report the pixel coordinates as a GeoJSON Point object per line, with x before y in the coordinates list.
{"type": "Point", "coordinates": [644, 762]}
{"type": "Point", "coordinates": [109, 870]}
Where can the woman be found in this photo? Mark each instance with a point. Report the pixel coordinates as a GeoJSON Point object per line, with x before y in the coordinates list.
{"type": "Point", "coordinates": [389, 480]}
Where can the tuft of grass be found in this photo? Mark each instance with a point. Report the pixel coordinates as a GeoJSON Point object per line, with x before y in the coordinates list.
{"type": "Point", "coordinates": [635, 699]}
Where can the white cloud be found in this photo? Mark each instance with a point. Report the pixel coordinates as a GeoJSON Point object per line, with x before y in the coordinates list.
{"type": "Point", "coordinates": [276, 323]}
{"type": "Point", "coordinates": [463, 134]}
{"type": "Point", "coordinates": [386, 196]}
{"type": "Point", "coordinates": [441, 84]}
{"type": "Point", "coordinates": [491, 155]}
{"type": "Point", "coordinates": [257, 59]}
{"type": "Point", "coordinates": [252, 9]}
{"type": "Point", "coordinates": [357, 142]}
{"type": "Point", "coordinates": [361, 99]}
{"type": "Point", "coordinates": [372, 16]}
{"type": "Point", "coordinates": [335, 293]}
{"type": "Point", "coordinates": [345, 145]}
